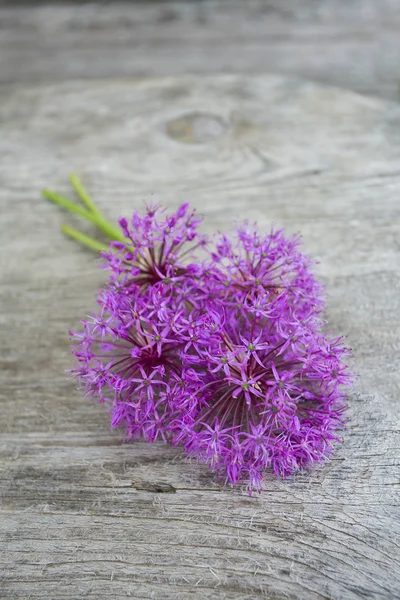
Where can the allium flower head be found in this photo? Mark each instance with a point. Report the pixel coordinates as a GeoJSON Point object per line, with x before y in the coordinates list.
{"type": "Point", "coordinates": [157, 247]}
{"type": "Point", "coordinates": [225, 356]}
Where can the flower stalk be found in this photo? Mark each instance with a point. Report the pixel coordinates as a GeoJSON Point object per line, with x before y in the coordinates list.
{"type": "Point", "coordinates": [84, 240]}
{"type": "Point", "coordinates": [91, 213]}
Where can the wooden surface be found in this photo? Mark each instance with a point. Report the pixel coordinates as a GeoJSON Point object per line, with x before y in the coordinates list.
{"type": "Point", "coordinates": [353, 44]}
{"type": "Point", "coordinates": [84, 516]}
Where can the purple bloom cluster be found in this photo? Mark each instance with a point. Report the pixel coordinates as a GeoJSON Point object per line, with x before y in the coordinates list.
{"type": "Point", "coordinates": [225, 354]}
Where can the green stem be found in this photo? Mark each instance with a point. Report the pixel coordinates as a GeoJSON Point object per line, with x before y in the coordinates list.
{"type": "Point", "coordinates": [83, 195]}
{"type": "Point", "coordinates": [68, 205]}
{"type": "Point", "coordinates": [97, 219]}
{"type": "Point", "coordinates": [83, 239]}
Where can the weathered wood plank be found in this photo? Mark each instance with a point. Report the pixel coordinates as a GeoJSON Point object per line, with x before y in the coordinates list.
{"type": "Point", "coordinates": [83, 515]}
{"type": "Point", "coordinates": [355, 45]}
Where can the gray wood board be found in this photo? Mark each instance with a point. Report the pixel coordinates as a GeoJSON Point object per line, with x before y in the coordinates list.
{"type": "Point", "coordinates": [354, 45]}
{"type": "Point", "coordinates": [86, 516]}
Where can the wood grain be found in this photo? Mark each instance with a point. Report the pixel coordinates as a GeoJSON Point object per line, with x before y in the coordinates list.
{"type": "Point", "coordinates": [355, 45]}
{"type": "Point", "coordinates": [84, 516]}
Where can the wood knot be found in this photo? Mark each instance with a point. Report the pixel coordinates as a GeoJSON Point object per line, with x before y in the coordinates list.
{"type": "Point", "coordinates": [196, 128]}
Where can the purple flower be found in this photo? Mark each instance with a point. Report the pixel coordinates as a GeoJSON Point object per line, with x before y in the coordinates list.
{"type": "Point", "coordinates": [156, 249]}
{"type": "Point", "coordinates": [225, 356]}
